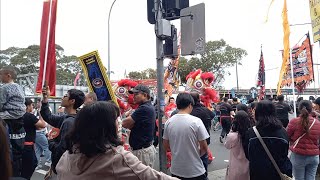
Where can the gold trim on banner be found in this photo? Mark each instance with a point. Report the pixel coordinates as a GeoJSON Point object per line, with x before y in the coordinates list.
{"type": "Point", "coordinates": [103, 72]}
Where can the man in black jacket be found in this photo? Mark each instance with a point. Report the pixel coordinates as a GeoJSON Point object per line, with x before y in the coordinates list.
{"type": "Point", "coordinates": [70, 101]}
{"type": "Point", "coordinates": [206, 117]}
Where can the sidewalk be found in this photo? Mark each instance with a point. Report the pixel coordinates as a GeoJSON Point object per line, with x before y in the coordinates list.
{"type": "Point", "coordinates": [217, 175]}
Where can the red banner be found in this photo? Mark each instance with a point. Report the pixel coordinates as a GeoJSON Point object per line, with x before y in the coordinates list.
{"type": "Point", "coordinates": [261, 77]}
{"type": "Point", "coordinates": [47, 47]}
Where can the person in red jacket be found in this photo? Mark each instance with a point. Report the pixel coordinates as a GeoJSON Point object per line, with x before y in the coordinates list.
{"type": "Point", "coordinates": [304, 133]}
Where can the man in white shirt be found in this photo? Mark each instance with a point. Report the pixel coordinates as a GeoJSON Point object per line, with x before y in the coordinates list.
{"type": "Point", "coordinates": [185, 136]}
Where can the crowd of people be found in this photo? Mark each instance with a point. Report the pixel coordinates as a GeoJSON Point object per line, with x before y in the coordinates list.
{"type": "Point", "coordinates": [84, 141]}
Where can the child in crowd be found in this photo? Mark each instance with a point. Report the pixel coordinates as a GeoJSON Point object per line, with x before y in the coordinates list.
{"type": "Point", "coordinates": [11, 95]}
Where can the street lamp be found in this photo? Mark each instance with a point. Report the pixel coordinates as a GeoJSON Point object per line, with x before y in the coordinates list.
{"type": "Point", "coordinates": [109, 71]}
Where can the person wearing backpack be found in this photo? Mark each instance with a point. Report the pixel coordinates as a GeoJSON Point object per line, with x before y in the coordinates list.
{"type": "Point", "coordinates": [71, 102]}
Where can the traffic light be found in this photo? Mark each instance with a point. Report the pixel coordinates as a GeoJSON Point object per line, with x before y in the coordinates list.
{"type": "Point", "coordinates": [170, 46]}
{"type": "Point", "coordinates": [171, 9]}
{"type": "Point", "coordinates": [151, 15]}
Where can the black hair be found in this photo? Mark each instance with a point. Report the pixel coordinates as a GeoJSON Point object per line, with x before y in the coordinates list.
{"type": "Point", "coordinates": [235, 99]}
{"type": "Point", "coordinates": [265, 115]}
{"type": "Point", "coordinates": [94, 129]}
{"type": "Point", "coordinates": [195, 96]}
{"type": "Point", "coordinates": [253, 105]}
{"type": "Point", "coordinates": [225, 99]}
{"type": "Point", "coordinates": [250, 100]}
{"type": "Point", "coordinates": [305, 108]}
{"type": "Point", "coordinates": [299, 99]}
{"type": "Point", "coordinates": [28, 102]}
{"type": "Point", "coordinates": [171, 98]}
{"type": "Point", "coordinates": [280, 98]}
{"type": "Point", "coordinates": [242, 107]}
{"type": "Point", "coordinates": [78, 97]}
{"type": "Point", "coordinates": [184, 100]}
{"type": "Point", "coordinates": [241, 123]}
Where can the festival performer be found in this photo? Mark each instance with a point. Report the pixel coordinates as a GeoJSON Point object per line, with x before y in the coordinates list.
{"type": "Point", "coordinates": [121, 90]}
{"type": "Point", "coordinates": [200, 82]}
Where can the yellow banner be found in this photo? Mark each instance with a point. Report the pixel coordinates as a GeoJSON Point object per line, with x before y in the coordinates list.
{"type": "Point", "coordinates": [315, 18]}
{"type": "Point", "coordinates": [286, 45]}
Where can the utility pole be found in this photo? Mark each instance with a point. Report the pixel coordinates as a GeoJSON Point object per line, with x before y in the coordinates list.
{"type": "Point", "coordinates": [237, 77]}
{"type": "Point", "coordinates": [160, 83]}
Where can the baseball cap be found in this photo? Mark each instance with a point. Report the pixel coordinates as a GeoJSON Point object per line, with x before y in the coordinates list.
{"type": "Point", "coordinates": [140, 88]}
{"type": "Point", "coordinates": [317, 101]}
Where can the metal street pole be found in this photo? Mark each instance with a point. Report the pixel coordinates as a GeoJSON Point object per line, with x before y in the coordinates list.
{"type": "Point", "coordinates": [109, 70]}
{"type": "Point", "coordinates": [237, 78]}
{"type": "Point", "coordinates": [160, 85]}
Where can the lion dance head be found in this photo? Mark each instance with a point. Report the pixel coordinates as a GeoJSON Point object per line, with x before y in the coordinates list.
{"type": "Point", "coordinates": [200, 82]}
{"type": "Point", "coordinates": [124, 98]}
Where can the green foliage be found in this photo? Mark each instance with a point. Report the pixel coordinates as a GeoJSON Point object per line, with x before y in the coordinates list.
{"type": "Point", "coordinates": [26, 60]}
{"type": "Point", "coordinates": [145, 74]}
{"type": "Point", "coordinates": [217, 58]}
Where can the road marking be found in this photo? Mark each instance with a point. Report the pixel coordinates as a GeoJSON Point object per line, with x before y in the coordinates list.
{"type": "Point", "coordinates": [226, 160]}
{"type": "Point", "coordinates": [41, 171]}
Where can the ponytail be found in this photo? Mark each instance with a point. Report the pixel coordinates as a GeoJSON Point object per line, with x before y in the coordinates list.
{"type": "Point", "coordinates": [304, 116]}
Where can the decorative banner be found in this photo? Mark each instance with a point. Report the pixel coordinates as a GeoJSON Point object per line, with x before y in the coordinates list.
{"type": "Point", "coordinates": [261, 77]}
{"type": "Point", "coordinates": [302, 67]}
{"type": "Point", "coordinates": [286, 45]}
{"type": "Point", "coordinates": [315, 19]}
{"type": "Point", "coordinates": [96, 76]}
{"type": "Point", "coordinates": [47, 71]}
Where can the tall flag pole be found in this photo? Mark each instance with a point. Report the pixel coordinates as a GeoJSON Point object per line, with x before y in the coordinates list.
{"type": "Point", "coordinates": [47, 72]}
{"type": "Point", "coordinates": [286, 45]}
{"type": "Point", "coordinates": [261, 77]}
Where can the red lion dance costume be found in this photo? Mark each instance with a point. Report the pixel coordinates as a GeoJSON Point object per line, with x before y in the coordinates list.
{"type": "Point", "coordinates": [202, 83]}
{"type": "Point", "coordinates": [125, 101]}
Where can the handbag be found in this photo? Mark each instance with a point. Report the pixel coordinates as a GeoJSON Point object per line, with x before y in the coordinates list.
{"type": "Point", "coordinates": [282, 176]}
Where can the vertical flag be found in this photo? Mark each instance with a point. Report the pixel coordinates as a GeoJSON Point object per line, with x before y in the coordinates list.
{"type": "Point", "coordinates": [76, 80]}
{"type": "Point", "coordinates": [261, 77]}
{"type": "Point", "coordinates": [286, 45]}
{"type": "Point", "coordinates": [47, 70]}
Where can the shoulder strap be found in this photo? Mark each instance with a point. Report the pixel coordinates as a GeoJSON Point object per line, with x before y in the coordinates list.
{"type": "Point", "coordinates": [297, 141]}
{"type": "Point", "coordinates": [267, 150]}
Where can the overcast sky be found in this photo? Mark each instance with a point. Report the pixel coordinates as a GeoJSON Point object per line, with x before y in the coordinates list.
{"type": "Point", "coordinates": [82, 27]}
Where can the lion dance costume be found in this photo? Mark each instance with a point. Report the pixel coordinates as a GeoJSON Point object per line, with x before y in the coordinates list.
{"type": "Point", "coordinates": [125, 101]}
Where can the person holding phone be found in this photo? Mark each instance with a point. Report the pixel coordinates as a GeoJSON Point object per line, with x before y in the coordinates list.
{"type": "Point", "coordinates": [71, 102]}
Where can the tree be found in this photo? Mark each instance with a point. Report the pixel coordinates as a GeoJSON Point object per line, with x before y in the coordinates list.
{"type": "Point", "coordinates": [216, 59]}
{"type": "Point", "coordinates": [145, 74]}
{"type": "Point", "coordinates": [26, 60]}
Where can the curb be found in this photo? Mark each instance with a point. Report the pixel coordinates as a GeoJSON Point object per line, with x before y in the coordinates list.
{"type": "Point", "coordinates": [217, 174]}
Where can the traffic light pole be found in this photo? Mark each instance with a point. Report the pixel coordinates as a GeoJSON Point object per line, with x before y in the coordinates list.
{"type": "Point", "coordinates": [160, 85]}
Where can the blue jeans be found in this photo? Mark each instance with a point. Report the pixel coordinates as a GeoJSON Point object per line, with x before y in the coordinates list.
{"type": "Point", "coordinates": [304, 167]}
{"type": "Point", "coordinates": [205, 161]}
{"type": "Point", "coordinates": [42, 146]}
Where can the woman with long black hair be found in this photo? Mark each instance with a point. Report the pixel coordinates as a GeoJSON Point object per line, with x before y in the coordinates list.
{"type": "Point", "coordinates": [94, 150]}
{"type": "Point", "coordinates": [276, 139]}
{"type": "Point", "coordinates": [238, 168]}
